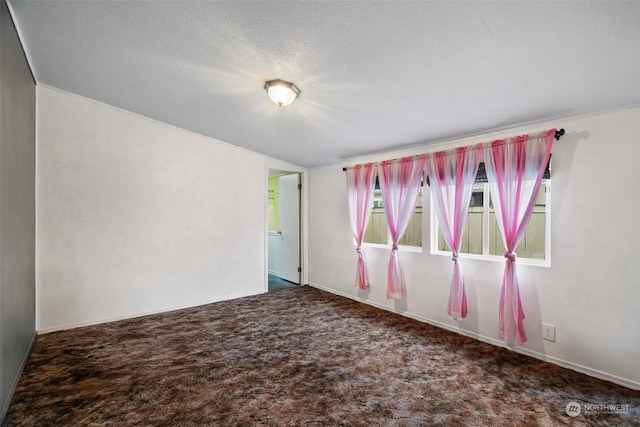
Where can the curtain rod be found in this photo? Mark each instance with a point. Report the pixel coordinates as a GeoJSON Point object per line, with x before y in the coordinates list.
{"type": "Point", "coordinates": [559, 134]}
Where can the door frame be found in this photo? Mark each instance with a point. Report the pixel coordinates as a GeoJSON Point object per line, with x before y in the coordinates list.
{"type": "Point", "coordinates": [304, 203]}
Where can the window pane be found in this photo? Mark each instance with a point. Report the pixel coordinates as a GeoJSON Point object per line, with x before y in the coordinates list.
{"type": "Point", "coordinates": [472, 237]}
{"type": "Point", "coordinates": [376, 231]}
{"type": "Point", "coordinates": [533, 242]}
{"type": "Point", "coordinates": [413, 234]}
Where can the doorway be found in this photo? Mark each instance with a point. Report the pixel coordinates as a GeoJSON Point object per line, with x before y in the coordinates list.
{"type": "Point", "coordinates": [283, 206]}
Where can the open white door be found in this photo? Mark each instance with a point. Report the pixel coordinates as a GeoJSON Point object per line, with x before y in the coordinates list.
{"type": "Point", "coordinates": [290, 227]}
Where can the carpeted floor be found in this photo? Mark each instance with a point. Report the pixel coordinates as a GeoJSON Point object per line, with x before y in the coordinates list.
{"type": "Point", "coordinates": [295, 357]}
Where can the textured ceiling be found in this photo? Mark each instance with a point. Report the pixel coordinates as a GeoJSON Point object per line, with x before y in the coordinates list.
{"type": "Point", "coordinates": [374, 75]}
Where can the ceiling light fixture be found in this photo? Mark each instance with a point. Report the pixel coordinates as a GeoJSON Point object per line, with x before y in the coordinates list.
{"type": "Point", "coordinates": [281, 92]}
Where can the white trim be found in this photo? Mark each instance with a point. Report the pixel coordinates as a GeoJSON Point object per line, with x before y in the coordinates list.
{"type": "Point", "coordinates": [496, 258]}
{"type": "Point", "coordinates": [143, 313]}
{"type": "Point", "coordinates": [540, 356]}
{"type": "Point", "coordinates": [375, 245]}
{"type": "Point", "coordinates": [547, 223]}
{"type": "Point", "coordinates": [5, 405]}
{"type": "Point", "coordinates": [401, 248]}
{"type": "Point", "coordinates": [486, 220]}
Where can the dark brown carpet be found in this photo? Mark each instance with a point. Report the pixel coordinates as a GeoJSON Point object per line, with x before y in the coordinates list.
{"type": "Point", "coordinates": [295, 357]}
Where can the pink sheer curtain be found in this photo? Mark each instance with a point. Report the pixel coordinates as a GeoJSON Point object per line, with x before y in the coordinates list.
{"type": "Point", "coordinates": [400, 182]}
{"type": "Point", "coordinates": [360, 185]}
{"type": "Point", "coordinates": [451, 177]}
{"type": "Point", "coordinates": [514, 171]}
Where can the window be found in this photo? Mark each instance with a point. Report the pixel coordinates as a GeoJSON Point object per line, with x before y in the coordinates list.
{"type": "Point", "coordinates": [377, 231]}
{"type": "Point", "coordinates": [481, 238]}
{"type": "Point", "coordinates": [473, 237]}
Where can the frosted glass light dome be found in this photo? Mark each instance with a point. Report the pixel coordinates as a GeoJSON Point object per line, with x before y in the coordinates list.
{"type": "Point", "coordinates": [281, 92]}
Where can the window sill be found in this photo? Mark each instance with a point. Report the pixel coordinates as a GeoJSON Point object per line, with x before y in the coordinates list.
{"type": "Point", "coordinates": [401, 248]}
{"type": "Point", "coordinates": [496, 258]}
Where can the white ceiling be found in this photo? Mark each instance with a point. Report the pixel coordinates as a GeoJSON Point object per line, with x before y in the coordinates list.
{"type": "Point", "coordinates": [374, 75]}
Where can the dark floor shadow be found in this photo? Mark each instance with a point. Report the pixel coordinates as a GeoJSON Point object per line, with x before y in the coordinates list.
{"type": "Point", "coordinates": [277, 283]}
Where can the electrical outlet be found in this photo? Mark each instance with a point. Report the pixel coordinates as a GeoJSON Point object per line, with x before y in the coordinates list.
{"type": "Point", "coordinates": [548, 332]}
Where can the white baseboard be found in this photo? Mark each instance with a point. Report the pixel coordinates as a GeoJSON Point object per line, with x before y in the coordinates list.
{"type": "Point", "coordinates": [25, 358]}
{"type": "Point", "coordinates": [540, 356]}
{"type": "Point", "coordinates": [143, 313]}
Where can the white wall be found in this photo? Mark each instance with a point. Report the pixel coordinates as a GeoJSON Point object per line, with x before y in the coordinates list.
{"type": "Point", "coordinates": [135, 216]}
{"type": "Point", "coordinates": [590, 292]}
{"type": "Point", "coordinates": [17, 206]}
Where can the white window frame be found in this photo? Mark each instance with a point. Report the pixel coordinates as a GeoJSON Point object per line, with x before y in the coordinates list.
{"type": "Point", "coordinates": [401, 248]}
{"type": "Point", "coordinates": [486, 217]}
